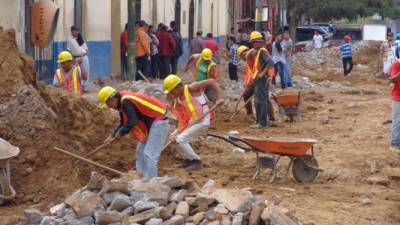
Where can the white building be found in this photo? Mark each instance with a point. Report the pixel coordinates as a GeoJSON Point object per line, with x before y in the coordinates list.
{"type": "Point", "coordinates": [103, 21]}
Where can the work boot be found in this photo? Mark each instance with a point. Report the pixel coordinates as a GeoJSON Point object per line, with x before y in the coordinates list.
{"type": "Point", "coordinates": [185, 163]}
{"type": "Point", "coordinates": [258, 126]}
{"type": "Point", "coordinates": [195, 164]}
{"type": "Point", "coordinates": [395, 149]}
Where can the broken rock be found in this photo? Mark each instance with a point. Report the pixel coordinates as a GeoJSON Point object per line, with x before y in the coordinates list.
{"type": "Point", "coordinates": [58, 210]}
{"type": "Point", "coordinates": [120, 203]}
{"type": "Point", "coordinates": [115, 186]}
{"type": "Point", "coordinates": [107, 217]}
{"type": "Point", "coordinates": [172, 182]}
{"type": "Point", "coordinates": [144, 216]}
{"type": "Point", "coordinates": [175, 220]}
{"type": "Point", "coordinates": [238, 219]}
{"type": "Point", "coordinates": [142, 206]}
{"type": "Point", "coordinates": [96, 181]}
{"type": "Point", "coordinates": [178, 196]}
{"type": "Point", "coordinates": [168, 211]}
{"type": "Point", "coordinates": [255, 214]}
{"type": "Point", "coordinates": [87, 205]}
{"type": "Point", "coordinates": [234, 199]}
{"type": "Point", "coordinates": [182, 209]}
{"type": "Point", "coordinates": [33, 216]}
{"type": "Point", "coordinates": [154, 221]}
{"type": "Point", "coordinates": [155, 192]}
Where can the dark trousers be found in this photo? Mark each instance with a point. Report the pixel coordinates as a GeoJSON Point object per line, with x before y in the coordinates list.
{"type": "Point", "coordinates": [248, 92]}
{"type": "Point", "coordinates": [164, 66]}
{"type": "Point", "coordinates": [124, 65]}
{"type": "Point", "coordinates": [233, 72]}
{"type": "Point", "coordinates": [174, 64]}
{"type": "Point", "coordinates": [280, 67]}
{"type": "Point", "coordinates": [346, 68]}
{"type": "Point", "coordinates": [260, 100]}
{"type": "Point", "coordinates": [154, 66]}
{"type": "Point", "coordinates": [142, 64]}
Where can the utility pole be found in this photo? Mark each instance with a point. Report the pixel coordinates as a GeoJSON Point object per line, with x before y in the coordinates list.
{"type": "Point", "coordinates": [131, 39]}
{"type": "Point", "coordinates": [258, 16]}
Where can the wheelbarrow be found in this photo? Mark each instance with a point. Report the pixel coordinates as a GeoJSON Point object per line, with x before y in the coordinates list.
{"type": "Point", "coordinates": [289, 105]}
{"type": "Point", "coordinates": [7, 151]}
{"type": "Point", "coordinates": [270, 150]}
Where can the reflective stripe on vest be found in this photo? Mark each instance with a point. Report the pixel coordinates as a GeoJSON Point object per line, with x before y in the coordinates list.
{"type": "Point", "coordinates": [75, 80]}
{"type": "Point", "coordinates": [145, 103]}
{"type": "Point", "coordinates": [209, 67]}
{"type": "Point", "coordinates": [189, 102]}
{"type": "Point", "coordinates": [256, 66]}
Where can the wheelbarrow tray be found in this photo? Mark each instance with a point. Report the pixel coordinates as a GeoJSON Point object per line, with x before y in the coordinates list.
{"type": "Point", "coordinates": [281, 145]}
{"type": "Point", "coordinates": [288, 100]}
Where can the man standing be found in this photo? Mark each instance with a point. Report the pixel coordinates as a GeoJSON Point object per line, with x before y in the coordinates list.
{"type": "Point", "coordinates": [234, 59]}
{"type": "Point", "coordinates": [124, 52]}
{"type": "Point", "coordinates": [142, 49]}
{"type": "Point", "coordinates": [287, 45]}
{"type": "Point", "coordinates": [145, 118]}
{"type": "Point", "coordinates": [189, 106]}
{"type": "Point", "coordinates": [345, 48]}
{"type": "Point", "coordinates": [279, 60]}
{"type": "Point", "coordinates": [197, 45]}
{"type": "Point", "coordinates": [178, 46]}
{"type": "Point", "coordinates": [243, 38]}
{"type": "Point", "coordinates": [394, 78]}
{"type": "Point", "coordinates": [317, 39]}
{"type": "Point", "coordinates": [262, 65]}
{"type": "Point", "coordinates": [210, 43]}
{"type": "Point", "coordinates": [69, 76]}
{"type": "Point", "coordinates": [154, 52]}
{"type": "Point", "coordinates": [388, 52]}
{"type": "Point", "coordinates": [165, 50]}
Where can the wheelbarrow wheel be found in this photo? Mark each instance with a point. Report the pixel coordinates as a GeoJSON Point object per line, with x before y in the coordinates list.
{"type": "Point", "coordinates": [304, 168]}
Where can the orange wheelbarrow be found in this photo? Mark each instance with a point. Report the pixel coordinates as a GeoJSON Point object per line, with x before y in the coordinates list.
{"type": "Point", "coordinates": [289, 105]}
{"type": "Point", "coordinates": [304, 166]}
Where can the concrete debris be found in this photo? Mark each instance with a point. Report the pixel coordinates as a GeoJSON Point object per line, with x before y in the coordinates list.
{"type": "Point", "coordinates": [151, 203]}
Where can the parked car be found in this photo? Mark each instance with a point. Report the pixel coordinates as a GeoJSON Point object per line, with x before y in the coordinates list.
{"type": "Point", "coordinates": [326, 26]}
{"type": "Point", "coordinates": [306, 33]}
{"type": "Point", "coordinates": [354, 31]}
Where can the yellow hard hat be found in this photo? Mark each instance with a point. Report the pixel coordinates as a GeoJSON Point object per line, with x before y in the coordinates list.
{"type": "Point", "coordinates": [171, 82]}
{"type": "Point", "coordinates": [255, 36]}
{"type": "Point", "coordinates": [206, 54]}
{"type": "Point", "coordinates": [242, 49]}
{"type": "Point", "coordinates": [64, 56]}
{"type": "Point", "coordinates": [104, 94]}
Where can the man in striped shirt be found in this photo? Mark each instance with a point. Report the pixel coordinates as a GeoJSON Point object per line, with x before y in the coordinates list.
{"type": "Point", "coordinates": [347, 58]}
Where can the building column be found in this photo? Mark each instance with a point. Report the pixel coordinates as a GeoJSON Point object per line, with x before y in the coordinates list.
{"type": "Point", "coordinates": [115, 36]}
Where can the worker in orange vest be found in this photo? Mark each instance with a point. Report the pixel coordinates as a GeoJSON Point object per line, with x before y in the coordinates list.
{"type": "Point", "coordinates": [190, 105]}
{"type": "Point", "coordinates": [204, 68]}
{"type": "Point", "coordinates": [258, 72]}
{"type": "Point", "coordinates": [69, 76]}
{"type": "Point", "coordinates": [144, 117]}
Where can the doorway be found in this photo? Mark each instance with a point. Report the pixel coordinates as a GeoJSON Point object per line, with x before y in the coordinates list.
{"type": "Point", "coordinates": [191, 20]}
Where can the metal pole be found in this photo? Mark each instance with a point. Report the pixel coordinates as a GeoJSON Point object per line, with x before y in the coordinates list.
{"type": "Point", "coordinates": [78, 7]}
{"type": "Point", "coordinates": [258, 16]}
{"type": "Point", "coordinates": [131, 39]}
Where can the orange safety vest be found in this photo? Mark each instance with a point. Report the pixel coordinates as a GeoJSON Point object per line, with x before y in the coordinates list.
{"type": "Point", "coordinates": [209, 67]}
{"type": "Point", "coordinates": [256, 65]}
{"type": "Point", "coordinates": [187, 109]}
{"type": "Point", "coordinates": [147, 106]}
{"type": "Point", "coordinates": [74, 87]}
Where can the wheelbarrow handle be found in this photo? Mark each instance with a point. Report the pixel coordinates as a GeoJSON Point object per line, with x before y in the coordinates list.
{"type": "Point", "coordinates": [232, 140]}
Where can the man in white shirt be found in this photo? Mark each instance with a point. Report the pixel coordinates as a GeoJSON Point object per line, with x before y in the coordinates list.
{"type": "Point", "coordinates": [318, 39]}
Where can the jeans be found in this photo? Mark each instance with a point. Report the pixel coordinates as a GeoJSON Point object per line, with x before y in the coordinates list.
{"type": "Point", "coordinates": [190, 134]}
{"type": "Point", "coordinates": [287, 76]}
{"type": "Point", "coordinates": [143, 64]}
{"type": "Point", "coordinates": [86, 65]}
{"type": "Point", "coordinates": [148, 152]}
{"type": "Point", "coordinates": [124, 65]}
{"type": "Point", "coordinates": [346, 68]}
{"type": "Point", "coordinates": [280, 67]}
{"type": "Point", "coordinates": [174, 64]}
{"type": "Point", "coordinates": [395, 123]}
{"type": "Point", "coordinates": [164, 66]}
{"type": "Point", "coordinates": [154, 67]}
{"type": "Point", "coordinates": [233, 72]}
{"type": "Point", "coordinates": [260, 100]}
{"type": "Point", "coordinates": [248, 92]}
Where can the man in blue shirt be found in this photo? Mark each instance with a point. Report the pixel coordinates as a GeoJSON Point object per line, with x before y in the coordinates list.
{"type": "Point", "coordinates": [347, 58]}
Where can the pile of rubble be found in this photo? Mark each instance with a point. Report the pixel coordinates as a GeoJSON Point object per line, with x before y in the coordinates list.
{"type": "Point", "coordinates": [162, 200]}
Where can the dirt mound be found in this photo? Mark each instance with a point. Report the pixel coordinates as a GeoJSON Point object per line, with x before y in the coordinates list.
{"type": "Point", "coordinates": [37, 118]}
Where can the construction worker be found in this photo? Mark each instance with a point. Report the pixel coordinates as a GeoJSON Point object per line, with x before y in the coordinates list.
{"type": "Point", "coordinates": [262, 67]}
{"type": "Point", "coordinates": [204, 68]}
{"type": "Point", "coordinates": [145, 118]}
{"type": "Point", "coordinates": [247, 80]}
{"type": "Point", "coordinates": [190, 105]}
{"type": "Point", "coordinates": [70, 75]}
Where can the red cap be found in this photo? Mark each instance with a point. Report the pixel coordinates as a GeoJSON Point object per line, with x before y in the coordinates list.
{"type": "Point", "coordinates": [347, 38]}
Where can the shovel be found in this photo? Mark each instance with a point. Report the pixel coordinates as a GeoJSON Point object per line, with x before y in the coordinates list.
{"type": "Point", "coordinates": [237, 111]}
